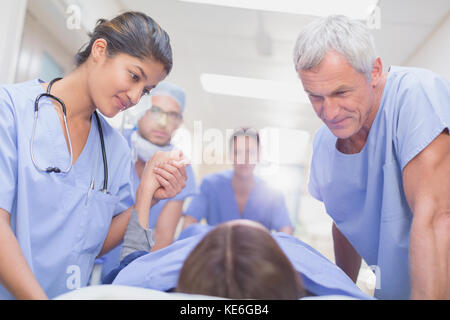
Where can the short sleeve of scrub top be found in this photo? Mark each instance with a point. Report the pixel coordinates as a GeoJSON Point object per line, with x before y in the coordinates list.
{"type": "Point", "coordinates": [314, 191]}
{"type": "Point", "coordinates": [126, 193]}
{"type": "Point", "coordinates": [418, 126]}
{"type": "Point", "coordinates": [8, 152]}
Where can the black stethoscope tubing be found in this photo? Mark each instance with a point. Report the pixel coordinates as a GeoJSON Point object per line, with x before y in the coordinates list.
{"type": "Point", "coordinates": [100, 131]}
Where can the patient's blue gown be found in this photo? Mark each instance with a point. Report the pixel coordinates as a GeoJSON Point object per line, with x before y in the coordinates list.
{"type": "Point", "coordinates": [159, 270]}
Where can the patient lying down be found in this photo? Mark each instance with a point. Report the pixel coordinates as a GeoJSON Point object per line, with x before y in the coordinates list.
{"type": "Point", "coordinates": [239, 259]}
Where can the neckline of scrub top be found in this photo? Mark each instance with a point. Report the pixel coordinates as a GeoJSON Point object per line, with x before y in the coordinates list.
{"type": "Point", "coordinates": [60, 146]}
{"type": "Point", "coordinates": [379, 111]}
{"type": "Point", "coordinates": [241, 215]}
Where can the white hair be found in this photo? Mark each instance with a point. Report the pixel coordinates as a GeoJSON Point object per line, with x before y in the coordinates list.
{"type": "Point", "coordinates": [350, 38]}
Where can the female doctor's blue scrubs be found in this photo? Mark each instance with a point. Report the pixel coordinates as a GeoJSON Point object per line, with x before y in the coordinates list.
{"type": "Point", "coordinates": [59, 222]}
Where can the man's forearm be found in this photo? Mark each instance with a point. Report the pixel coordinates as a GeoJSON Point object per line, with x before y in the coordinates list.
{"type": "Point", "coordinates": [426, 184]}
{"type": "Point", "coordinates": [429, 258]}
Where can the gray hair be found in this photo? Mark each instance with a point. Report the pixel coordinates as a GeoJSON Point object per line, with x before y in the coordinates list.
{"type": "Point", "coordinates": [350, 38]}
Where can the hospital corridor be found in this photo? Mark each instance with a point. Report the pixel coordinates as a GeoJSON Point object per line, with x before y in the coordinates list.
{"type": "Point", "coordinates": [214, 149]}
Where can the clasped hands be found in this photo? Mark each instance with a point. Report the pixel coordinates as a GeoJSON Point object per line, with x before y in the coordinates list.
{"type": "Point", "coordinates": [164, 175]}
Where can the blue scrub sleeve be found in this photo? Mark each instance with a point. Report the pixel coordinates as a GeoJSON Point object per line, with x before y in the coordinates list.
{"type": "Point", "coordinates": [8, 152]}
{"type": "Point", "coordinates": [199, 206]}
{"type": "Point", "coordinates": [312, 183]}
{"type": "Point", "coordinates": [280, 217]}
{"type": "Point", "coordinates": [424, 112]}
{"type": "Point", "coordinates": [127, 191]}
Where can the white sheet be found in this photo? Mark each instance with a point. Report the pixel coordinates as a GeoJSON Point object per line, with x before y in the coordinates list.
{"type": "Point", "coordinates": [116, 292]}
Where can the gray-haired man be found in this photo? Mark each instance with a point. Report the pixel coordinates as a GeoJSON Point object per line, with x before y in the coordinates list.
{"type": "Point", "coordinates": [381, 161]}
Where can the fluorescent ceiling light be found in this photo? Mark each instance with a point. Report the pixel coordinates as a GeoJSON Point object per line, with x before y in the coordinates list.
{"type": "Point", "coordinates": [357, 9]}
{"type": "Point", "coordinates": [253, 88]}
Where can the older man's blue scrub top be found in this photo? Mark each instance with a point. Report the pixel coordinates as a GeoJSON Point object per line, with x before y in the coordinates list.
{"type": "Point", "coordinates": [59, 224]}
{"type": "Point", "coordinates": [159, 270]}
{"type": "Point", "coordinates": [216, 203]}
{"type": "Point", "coordinates": [112, 259]}
{"type": "Point", "coordinates": [363, 192]}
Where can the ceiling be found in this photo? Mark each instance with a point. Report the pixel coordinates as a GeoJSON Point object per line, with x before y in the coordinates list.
{"type": "Point", "coordinates": [253, 44]}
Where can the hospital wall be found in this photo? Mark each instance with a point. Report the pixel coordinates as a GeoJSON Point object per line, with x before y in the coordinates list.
{"type": "Point", "coordinates": [41, 55]}
{"type": "Point", "coordinates": [12, 16]}
{"type": "Point", "coordinates": [433, 54]}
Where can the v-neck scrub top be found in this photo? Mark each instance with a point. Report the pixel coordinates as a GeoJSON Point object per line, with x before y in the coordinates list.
{"type": "Point", "coordinates": [59, 224]}
{"type": "Point", "coordinates": [217, 203]}
{"type": "Point", "coordinates": [363, 193]}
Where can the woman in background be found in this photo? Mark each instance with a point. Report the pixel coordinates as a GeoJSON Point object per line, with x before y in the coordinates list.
{"type": "Point", "coordinates": [238, 193]}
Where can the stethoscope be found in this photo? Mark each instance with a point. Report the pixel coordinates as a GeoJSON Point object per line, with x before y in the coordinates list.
{"type": "Point", "coordinates": [63, 106]}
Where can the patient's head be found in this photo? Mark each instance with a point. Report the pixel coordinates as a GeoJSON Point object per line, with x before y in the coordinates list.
{"type": "Point", "coordinates": [240, 260]}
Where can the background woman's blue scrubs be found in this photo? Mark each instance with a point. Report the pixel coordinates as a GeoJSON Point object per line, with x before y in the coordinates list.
{"type": "Point", "coordinates": [217, 203]}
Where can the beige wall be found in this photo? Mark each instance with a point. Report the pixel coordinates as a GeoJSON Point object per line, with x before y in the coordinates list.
{"type": "Point", "coordinates": [11, 25]}
{"type": "Point", "coordinates": [36, 39]}
{"type": "Point", "coordinates": [434, 53]}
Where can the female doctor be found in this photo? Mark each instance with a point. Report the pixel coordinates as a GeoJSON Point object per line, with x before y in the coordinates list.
{"type": "Point", "coordinates": [65, 192]}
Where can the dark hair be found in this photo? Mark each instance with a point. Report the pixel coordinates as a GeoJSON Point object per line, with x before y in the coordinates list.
{"type": "Point", "coordinates": [133, 33]}
{"type": "Point", "coordinates": [238, 261]}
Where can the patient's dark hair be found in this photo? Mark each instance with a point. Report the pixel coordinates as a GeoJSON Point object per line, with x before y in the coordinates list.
{"type": "Point", "coordinates": [133, 33]}
{"type": "Point", "coordinates": [238, 261]}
